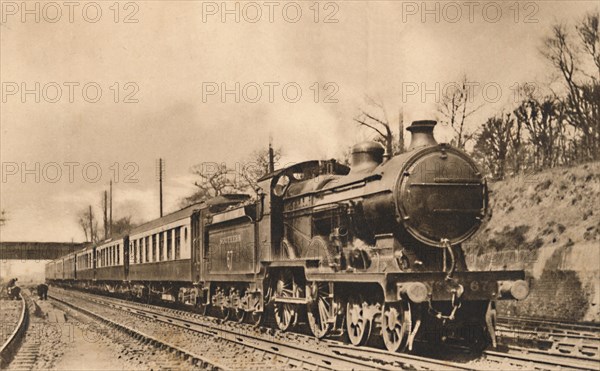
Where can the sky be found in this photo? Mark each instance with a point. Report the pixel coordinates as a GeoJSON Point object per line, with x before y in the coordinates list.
{"type": "Point", "coordinates": [96, 92]}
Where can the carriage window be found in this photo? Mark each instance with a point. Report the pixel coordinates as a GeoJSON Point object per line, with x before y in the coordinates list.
{"type": "Point", "coordinates": [135, 251]}
{"type": "Point", "coordinates": [141, 240]}
{"type": "Point", "coordinates": [161, 246]}
{"type": "Point", "coordinates": [118, 254]}
{"type": "Point", "coordinates": [169, 244]}
{"type": "Point", "coordinates": [177, 243]}
{"type": "Point", "coordinates": [153, 247]}
{"type": "Point", "coordinates": [185, 234]}
{"type": "Point", "coordinates": [147, 249]}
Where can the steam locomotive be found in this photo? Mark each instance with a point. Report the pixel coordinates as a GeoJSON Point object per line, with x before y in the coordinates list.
{"type": "Point", "coordinates": [372, 251]}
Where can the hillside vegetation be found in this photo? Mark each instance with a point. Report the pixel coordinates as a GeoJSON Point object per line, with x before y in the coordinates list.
{"type": "Point", "coordinates": [548, 224]}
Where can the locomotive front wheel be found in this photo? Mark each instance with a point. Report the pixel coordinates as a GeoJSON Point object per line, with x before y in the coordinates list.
{"type": "Point", "coordinates": [319, 309]}
{"type": "Point", "coordinates": [203, 309]}
{"type": "Point", "coordinates": [238, 315]}
{"type": "Point", "coordinates": [395, 325]}
{"type": "Point", "coordinates": [255, 318]}
{"type": "Point", "coordinates": [286, 314]}
{"type": "Point", "coordinates": [225, 313]}
{"type": "Point", "coordinates": [358, 325]}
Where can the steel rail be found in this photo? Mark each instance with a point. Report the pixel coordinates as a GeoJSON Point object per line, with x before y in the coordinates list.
{"type": "Point", "coordinates": [139, 334]}
{"type": "Point", "coordinates": [541, 359]}
{"type": "Point", "coordinates": [7, 350]}
{"type": "Point", "coordinates": [333, 355]}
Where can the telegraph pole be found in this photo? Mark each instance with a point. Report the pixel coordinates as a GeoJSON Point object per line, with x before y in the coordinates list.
{"type": "Point", "coordinates": [105, 215]}
{"type": "Point", "coordinates": [401, 130]}
{"type": "Point", "coordinates": [160, 184]}
{"type": "Point", "coordinates": [271, 156]}
{"type": "Point", "coordinates": [110, 219]}
{"type": "Point", "coordinates": [91, 225]}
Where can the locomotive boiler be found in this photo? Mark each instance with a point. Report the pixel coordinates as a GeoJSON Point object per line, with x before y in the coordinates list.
{"type": "Point", "coordinates": [371, 251]}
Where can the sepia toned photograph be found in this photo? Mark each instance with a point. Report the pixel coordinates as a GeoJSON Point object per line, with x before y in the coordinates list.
{"type": "Point", "coordinates": [299, 185]}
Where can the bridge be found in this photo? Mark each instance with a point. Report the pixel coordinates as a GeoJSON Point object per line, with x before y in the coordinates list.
{"type": "Point", "coordinates": [37, 250]}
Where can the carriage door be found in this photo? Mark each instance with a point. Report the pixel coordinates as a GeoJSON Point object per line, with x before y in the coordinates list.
{"type": "Point", "coordinates": [196, 234]}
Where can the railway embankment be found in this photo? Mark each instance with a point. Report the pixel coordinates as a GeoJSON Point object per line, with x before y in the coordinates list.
{"type": "Point", "coordinates": [547, 223]}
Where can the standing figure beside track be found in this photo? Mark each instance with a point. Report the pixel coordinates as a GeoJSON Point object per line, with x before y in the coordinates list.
{"type": "Point", "coordinates": [10, 286]}
{"type": "Point", "coordinates": [42, 291]}
{"type": "Point", "coordinates": [14, 293]}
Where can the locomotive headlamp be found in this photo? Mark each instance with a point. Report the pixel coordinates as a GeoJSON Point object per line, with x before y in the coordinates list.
{"type": "Point", "coordinates": [417, 292]}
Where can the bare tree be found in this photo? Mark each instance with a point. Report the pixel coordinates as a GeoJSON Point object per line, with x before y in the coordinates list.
{"type": "Point", "coordinates": [88, 224]}
{"type": "Point", "coordinates": [217, 179]}
{"type": "Point", "coordinates": [543, 120]}
{"type": "Point", "coordinates": [255, 167]}
{"type": "Point", "coordinates": [494, 144]}
{"type": "Point", "coordinates": [455, 108]}
{"type": "Point", "coordinates": [571, 56]}
{"type": "Point", "coordinates": [382, 126]}
{"type": "Point", "coordinates": [122, 226]}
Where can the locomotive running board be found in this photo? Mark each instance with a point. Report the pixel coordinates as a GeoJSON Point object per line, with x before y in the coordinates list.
{"type": "Point", "coordinates": [479, 275]}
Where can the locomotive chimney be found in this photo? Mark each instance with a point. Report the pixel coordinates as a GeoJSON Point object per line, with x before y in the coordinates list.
{"type": "Point", "coordinates": [422, 134]}
{"type": "Point", "coordinates": [366, 156]}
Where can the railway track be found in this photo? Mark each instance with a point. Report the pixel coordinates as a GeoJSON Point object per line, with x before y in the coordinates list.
{"type": "Point", "coordinates": [575, 341]}
{"type": "Point", "coordinates": [11, 345]}
{"type": "Point", "coordinates": [303, 351]}
{"type": "Point", "coordinates": [292, 350]}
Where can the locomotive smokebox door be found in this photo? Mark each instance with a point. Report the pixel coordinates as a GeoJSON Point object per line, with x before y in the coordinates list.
{"type": "Point", "coordinates": [440, 194]}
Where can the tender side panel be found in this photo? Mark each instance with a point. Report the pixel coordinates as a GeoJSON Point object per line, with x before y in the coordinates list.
{"type": "Point", "coordinates": [231, 248]}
